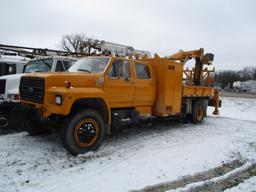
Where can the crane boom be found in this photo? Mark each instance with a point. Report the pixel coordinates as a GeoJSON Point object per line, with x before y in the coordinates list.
{"type": "Point", "coordinates": [184, 56]}
{"type": "Point", "coordinates": [201, 59]}
{"type": "Point", "coordinates": [91, 45]}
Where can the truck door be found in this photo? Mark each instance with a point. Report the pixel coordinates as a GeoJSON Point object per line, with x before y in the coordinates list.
{"type": "Point", "coordinates": [119, 85]}
{"type": "Point", "coordinates": [144, 84]}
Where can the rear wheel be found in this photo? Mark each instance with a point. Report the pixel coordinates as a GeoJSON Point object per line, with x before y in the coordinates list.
{"type": "Point", "coordinates": [83, 132]}
{"type": "Point", "coordinates": [198, 111]}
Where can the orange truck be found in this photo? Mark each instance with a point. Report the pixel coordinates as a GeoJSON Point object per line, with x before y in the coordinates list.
{"type": "Point", "coordinates": [102, 92]}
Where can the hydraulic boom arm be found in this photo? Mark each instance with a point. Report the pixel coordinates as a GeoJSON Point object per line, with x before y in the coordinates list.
{"type": "Point", "coordinates": [201, 59]}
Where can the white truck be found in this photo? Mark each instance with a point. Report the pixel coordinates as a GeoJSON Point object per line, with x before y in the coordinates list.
{"type": "Point", "coordinates": [11, 63]}
{"type": "Point", "coordinates": [248, 86]}
{"type": "Point", "coordinates": [9, 86]}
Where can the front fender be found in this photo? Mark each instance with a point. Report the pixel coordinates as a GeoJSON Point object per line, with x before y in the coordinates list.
{"type": "Point", "coordinates": [69, 97]}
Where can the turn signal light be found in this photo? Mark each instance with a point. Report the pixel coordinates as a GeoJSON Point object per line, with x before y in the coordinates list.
{"type": "Point", "coordinates": [67, 84]}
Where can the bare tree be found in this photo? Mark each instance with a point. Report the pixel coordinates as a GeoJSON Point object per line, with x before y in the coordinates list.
{"type": "Point", "coordinates": [248, 73]}
{"type": "Point", "coordinates": [72, 42]}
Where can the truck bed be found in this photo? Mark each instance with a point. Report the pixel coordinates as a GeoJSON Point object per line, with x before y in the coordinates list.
{"type": "Point", "coordinates": [197, 91]}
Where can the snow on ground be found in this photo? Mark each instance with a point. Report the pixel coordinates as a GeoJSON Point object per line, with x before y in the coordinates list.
{"type": "Point", "coordinates": [133, 159]}
{"type": "Point", "coordinates": [247, 185]}
{"type": "Point", "coordinates": [239, 108]}
{"type": "Point", "coordinates": [210, 182]}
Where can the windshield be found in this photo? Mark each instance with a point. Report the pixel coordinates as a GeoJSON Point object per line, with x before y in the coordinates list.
{"type": "Point", "coordinates": [42, 65]}
{"type": "Point", "coordinates": [90, 65]}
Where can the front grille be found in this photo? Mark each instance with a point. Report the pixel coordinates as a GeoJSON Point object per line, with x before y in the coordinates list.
{"type": "Point", "coordinates": [2, 86]}
{"type": "Point", "coordinates": [32, 89]}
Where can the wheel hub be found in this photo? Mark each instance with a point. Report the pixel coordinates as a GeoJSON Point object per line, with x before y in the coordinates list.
{"type": "Point", "coordinates": [86, 132]}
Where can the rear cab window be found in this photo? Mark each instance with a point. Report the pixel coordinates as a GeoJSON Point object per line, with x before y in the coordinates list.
{"type": "Point", "coordinates": [142, 71]}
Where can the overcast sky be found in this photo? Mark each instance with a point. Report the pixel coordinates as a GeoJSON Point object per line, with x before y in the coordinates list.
{"type": "Point", "coordinates": [226, 28]}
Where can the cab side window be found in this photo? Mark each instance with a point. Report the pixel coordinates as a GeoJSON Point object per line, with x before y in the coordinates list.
{"type": "Point", "coordinates": [63, 65]}
{"type": "Point", "coordinates": [142, 71]}
{"type": "Point", "coordinates": [67, 64]}
{"type": "Point", "coordinates": [120, 68]}
{"type": "Point", "coordinates": [11, 69]}
{"type": "Point", "coordinates": [7, 69]}
{"type": "Point", "coordinates": [59, 67]}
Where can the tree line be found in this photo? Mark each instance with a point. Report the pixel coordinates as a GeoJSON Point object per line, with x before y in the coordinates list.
{"type": "Point", "coordinates": [228, 77]}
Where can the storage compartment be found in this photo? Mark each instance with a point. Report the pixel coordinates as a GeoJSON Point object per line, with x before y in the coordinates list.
{"type": "Point", "coordinates": [169, 76]}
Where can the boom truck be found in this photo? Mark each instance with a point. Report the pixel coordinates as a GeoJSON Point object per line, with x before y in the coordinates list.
{"type": "Point", "coordinates": [102, 92]}
{"type": "Point", "coordinates": [35, 60]}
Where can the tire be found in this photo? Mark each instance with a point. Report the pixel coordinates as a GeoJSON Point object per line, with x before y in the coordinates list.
{"type": "Point", "coordinates": [198, 111]}
{"type": "Point", "coordinates": [83, 132]}
{"type": "Point", "coordinates": [205, 102]}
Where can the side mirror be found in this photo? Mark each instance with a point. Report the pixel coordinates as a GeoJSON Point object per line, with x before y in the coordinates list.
{"type": "Point", "coordinates": [209, 56]}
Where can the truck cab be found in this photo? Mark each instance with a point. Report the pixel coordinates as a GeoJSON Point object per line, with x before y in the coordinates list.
{"type": "Point", "coordinates": [9, 92]}
{"type": "Point", "coordinates": [10, 83]}
{"type": "Point", "coordinates": [103, 77]}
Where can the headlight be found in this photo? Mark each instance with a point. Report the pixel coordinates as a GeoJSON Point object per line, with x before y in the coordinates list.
{"type": "Point", "coordinates": [13, 97]}
{"type": "Point", "coordinates": [58, 99]}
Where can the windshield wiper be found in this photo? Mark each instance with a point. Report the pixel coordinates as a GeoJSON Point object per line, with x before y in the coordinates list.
{"type": "Point", "coordinates": [85, 70]}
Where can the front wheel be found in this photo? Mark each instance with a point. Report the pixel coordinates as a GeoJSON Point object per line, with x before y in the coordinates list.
{"type": "Point", "coordinates": [83, 132]}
